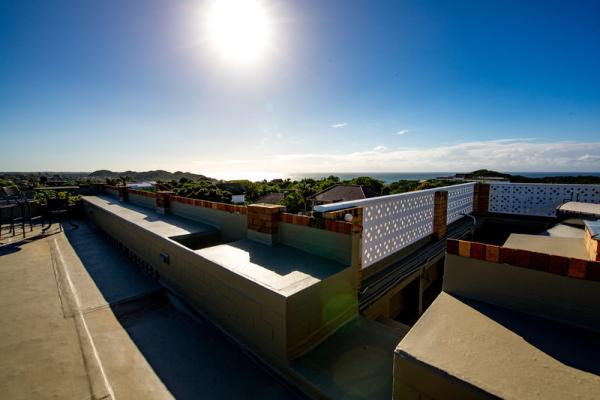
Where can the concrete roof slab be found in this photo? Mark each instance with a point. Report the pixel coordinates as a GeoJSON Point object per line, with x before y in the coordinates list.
{"type": "Point", "coordinates": [502, 352]}
{"type": "Point", "coordinates": [281, 268]}
{"type": "Point", "coordinates": [560, 246]}
{"type": "Point", "coordinates": [162, 225]}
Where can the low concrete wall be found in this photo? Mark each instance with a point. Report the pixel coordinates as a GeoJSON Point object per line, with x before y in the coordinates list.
{"type": "Point", "coordinates": [320, 242]}
{"type": "Point", "coordinates": [111, 192]}
{"type": "Point", "coordinates": [561, 298]}
{"type": "Point", "coordinates": [275, 326]}
{"type": "Point", "coordinates": [318, 311]}
{"type": "Point", "coordinates": [143, 201]}
{"type": "Point", "coordinates": [232, 226]}
{"type": "Point", "coordinates": [253, 314]}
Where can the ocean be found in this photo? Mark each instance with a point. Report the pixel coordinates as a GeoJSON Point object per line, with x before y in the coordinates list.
{"type": "Point", "coordinates": [389, 177]}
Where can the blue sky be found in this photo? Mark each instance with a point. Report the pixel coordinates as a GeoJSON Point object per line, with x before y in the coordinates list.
{"type": "Point", "coordinates": [345, 86]}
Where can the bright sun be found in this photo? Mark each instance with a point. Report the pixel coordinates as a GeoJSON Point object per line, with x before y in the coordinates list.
{"type": "Point", "coordinates": [239, 30]}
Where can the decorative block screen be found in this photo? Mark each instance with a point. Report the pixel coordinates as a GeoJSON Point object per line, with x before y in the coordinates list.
{"type": "Point", "coordinates": [538, 199]}
{"type": "Point", "coordinates": [394, 222]}
{"type": "Point", "coordinates": [460, 201]}
{"type": "Point", "coordinates": [391, 223]}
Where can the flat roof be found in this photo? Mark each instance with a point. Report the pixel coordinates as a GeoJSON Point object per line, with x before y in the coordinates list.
{"type": "Point", "coordinates": [579, 207]}
{"type": "Point", "coordinates": [502, 352]}
{"type": "Point", "coordinates": [162, 225]}
{"type": "Point", "coordinates": [280, 268]}
{"type": "Point", "coordinates": [354, 362]}
{"type": "Point", "coordinates": [79, 320]}
{"type": "Point", "coordinates": [560, 246]}
{"type": "Point", "coordinates": [563, 230]}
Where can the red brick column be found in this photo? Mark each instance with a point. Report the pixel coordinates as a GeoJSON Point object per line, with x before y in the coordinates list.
{"type": "Point", "coordinates": [263, 222]}
{"type": "Point", "coordinates": [162, 201]}
{"type": "Point", "coordinates": [440, 214]}
{"type": "Point", "coordinates": [481, 198]}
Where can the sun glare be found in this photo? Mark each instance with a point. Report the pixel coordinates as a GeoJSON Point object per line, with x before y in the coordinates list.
{"type": "Point", "coordinates": [239, 30]}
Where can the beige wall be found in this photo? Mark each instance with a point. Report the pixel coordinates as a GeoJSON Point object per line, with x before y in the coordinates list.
{"type": "Point", "coordinates": [232, 226]}
{"type": "Point", "coordinates": [316, 312]}
{"type": "Point", "coordinates": [320, 242]}
{"type": "Point", "coordinates": [591, 245]}
{"type": "Point", "coordinates": [148, 202]}
{"type": "Point", "coordinates": [410, 374]}
{"type": "Point", "coordinates": [111, 192]}
{"type": "Point", "coordinates": [557, 297]}
{"type": "Point", "coordinates": [275, 326]}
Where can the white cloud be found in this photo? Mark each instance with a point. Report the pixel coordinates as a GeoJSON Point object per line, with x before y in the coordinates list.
{"type": "Point", "coordinates": [339, 125]}
{"type": "Point", "coordinates": [518, 154]}
{"type": "Point", "coordinates": [402, 132]}
{"type": "Point", "coordinates": [504, 155]}
{"type": "Point", "coordinates": [587, 157]}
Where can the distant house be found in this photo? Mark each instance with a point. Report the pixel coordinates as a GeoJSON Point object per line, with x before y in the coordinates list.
{"type": "Point", "coordinates": [140, 185]}
{"type": "Point", "coordinates": [271, 198]}
{"type": "Point", "coordinates": [238, 198]}
{"type": "Point", "coordinates": [342, 192]}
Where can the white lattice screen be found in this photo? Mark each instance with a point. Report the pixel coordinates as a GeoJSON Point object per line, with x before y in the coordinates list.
{"type": "Point", "coordinates": [395, 222]}
{"type": "Point", "coordinates": [390, 223]}
{"type": "Point", "coordinates": [538, 199]}
{"type": "Point", "coordinates": [460, 201]}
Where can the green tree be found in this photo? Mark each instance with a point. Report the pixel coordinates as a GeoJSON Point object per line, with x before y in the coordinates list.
{"type": "Point", "coordinates": [293, 202]}
{"type": "Point", "coordinates": [366, 181]}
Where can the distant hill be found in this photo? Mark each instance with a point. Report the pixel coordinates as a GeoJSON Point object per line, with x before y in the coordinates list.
{"type": "Point", "coordinates": [582, 179]}
{"type": "Point", "coordinates": [155, 175]}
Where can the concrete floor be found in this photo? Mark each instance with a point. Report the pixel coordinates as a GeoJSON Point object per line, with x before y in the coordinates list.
{"type": "Point", "coordinates": [79, 320]}
{"type": "Point", "coordinates": [354, 363]}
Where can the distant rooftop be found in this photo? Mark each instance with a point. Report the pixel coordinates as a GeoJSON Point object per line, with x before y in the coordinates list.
{"type": "Point", "coordinates": [271, 198]}
{"type": "Point", "coordinates": [343, 192]}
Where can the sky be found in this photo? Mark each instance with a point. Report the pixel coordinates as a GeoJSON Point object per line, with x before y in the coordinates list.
{"type": "Point", "coordinates": [337, 86]}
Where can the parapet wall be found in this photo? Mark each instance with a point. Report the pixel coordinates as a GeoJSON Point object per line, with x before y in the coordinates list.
{"type": "Point", "coordinates": [326, 237]}
{"type": "Point", "coordinates": [229, 219]}
{"type": "Point", "coordinates": [279, 326]}
{"type": "Point", "coordinates": [141, 198]}
{"type": "Point", "coordinates": [558, 288]}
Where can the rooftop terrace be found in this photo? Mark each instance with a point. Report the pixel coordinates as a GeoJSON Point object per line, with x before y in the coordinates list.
{"type": "Point", "coordinates": [160, 296]}
{"type": "Point", "coordinates": [80, 320]}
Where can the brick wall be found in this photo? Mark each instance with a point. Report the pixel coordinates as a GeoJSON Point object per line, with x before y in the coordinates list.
{"type": "Point", "coordinates": [231, 208]}
{"type": "Point", "coordinates": [319, 223]}
{"type": "Point", "coordinates": [141, 193]}
{"type": "Point", "coordinates": [571, 267]}
{"type": "Point", "coordinates": [481, 199]}
{"type": "Point", "coordinates": [264, 218]}
{"type": "Point", "coordinates": [440, 214]}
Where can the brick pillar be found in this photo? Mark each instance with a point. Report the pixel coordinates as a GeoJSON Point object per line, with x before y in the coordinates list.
{"type": "Point", "coordinates": [440, 214]}
{"type": "Point", "coordinates": [162, 201]}
{"type": "Point", "coordinates": [263, 222]}
{"type": "Point", "coordinates": [122, 193]}
{"type": "Point", "coordinates": [481, 198]}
